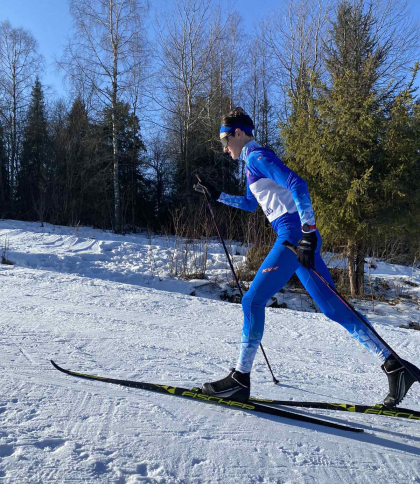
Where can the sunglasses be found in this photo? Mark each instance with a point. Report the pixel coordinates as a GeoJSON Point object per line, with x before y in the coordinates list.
{"type": "Point", "coordinates": [225, 140]}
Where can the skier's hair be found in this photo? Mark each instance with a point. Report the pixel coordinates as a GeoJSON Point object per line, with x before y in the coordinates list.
{"type": "Point", "coordinates": [238, 117]}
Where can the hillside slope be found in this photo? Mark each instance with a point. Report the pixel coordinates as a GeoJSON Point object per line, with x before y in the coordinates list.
{"type": "Point", "coordinates": [58, 429]}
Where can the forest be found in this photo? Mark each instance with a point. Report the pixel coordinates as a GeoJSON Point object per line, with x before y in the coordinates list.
{"type": "Point", "coordinates": [331, 87]}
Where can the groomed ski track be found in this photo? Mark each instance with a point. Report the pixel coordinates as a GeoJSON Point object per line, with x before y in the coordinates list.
{"type": "Point", "coordinates": [54, 429]}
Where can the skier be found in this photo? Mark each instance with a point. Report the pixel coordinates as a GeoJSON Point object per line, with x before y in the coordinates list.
{"type": "Point", "coordinates": [285, 200]}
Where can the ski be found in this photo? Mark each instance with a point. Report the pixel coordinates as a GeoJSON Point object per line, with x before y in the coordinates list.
{"type": "Point", "coordinates": [200, 397]}
{"type": "Point", "coordinates": [377, 409]}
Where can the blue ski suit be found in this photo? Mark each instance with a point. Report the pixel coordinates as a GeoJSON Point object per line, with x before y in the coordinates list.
{"type": "Point", "coordinates": [285, 200]}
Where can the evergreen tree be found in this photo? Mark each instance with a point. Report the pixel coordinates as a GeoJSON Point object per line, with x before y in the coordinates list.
{"type": "Point", "coordinates": [73, 155]}
{"type": "Point", "coordinates": [57, 128]}
{"type": "Point", "coordinates": [35, 161]}
{"type": "Point", "coordinates": [134, 188]}
{"type": "Point", "coordinates": [401, 144]}
{"type": "Point", "coordinates": [158, 166]}
{"type": "Point", "coordinates": [335, 139]}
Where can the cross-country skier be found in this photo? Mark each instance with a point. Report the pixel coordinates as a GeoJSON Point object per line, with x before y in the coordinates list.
{"type": "Point", "coordinates": [285, 200]}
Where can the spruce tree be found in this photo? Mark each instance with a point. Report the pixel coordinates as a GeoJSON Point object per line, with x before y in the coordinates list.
{"type": "Point", "coordinates": [335, 139]}
{"type": "Point", "coordinates": [401, 144]}
{"type": "Point", "coordinates": [133, 186]}
{"type": "Point", "coordinates": [79, 157]}
{"type": "Point", "coordinates": [72, 157]}
{"type": "Point", "coordinates": [34, 161]}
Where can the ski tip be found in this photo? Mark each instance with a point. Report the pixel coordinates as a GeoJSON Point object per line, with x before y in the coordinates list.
{"type": "Point", "coordinates": [54, 364]}
{"type": "Point", "coordinates": [57, 367]}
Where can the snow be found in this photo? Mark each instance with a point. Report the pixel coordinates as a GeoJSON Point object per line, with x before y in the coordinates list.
{"type": "Point", "coordinates": [106, 304]}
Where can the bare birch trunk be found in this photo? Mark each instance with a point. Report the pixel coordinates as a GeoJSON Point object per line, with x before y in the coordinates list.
{"type": "Point", "coordinates": [116, 178]}
{"type": "Point", "coordinates": [14, 150]}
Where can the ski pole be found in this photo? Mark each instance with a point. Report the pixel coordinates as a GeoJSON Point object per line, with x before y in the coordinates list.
{"type": "Point", "coordinates": [412, 369]}
{"type": "Point", "coordinates": [233, 272]}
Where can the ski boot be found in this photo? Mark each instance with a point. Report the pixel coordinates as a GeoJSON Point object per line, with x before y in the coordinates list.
{"type": "Point", "coordinates": [399, 380]}
{"type": "Point", "coordinates": [236, 386]}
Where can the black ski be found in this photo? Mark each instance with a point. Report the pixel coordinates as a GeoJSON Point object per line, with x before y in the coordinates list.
{"type": "Point", "coordinates": [377, 409]}
{"type": "Point", "coordinates": [199, 397]}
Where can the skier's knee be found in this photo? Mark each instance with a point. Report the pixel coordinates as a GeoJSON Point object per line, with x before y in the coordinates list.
{"type": "Point", "coordinates": [246, 300]}
{"type": "Point", "coordinates": [250, 301]}
{"type": "Point", "coordinates": [330, 313]}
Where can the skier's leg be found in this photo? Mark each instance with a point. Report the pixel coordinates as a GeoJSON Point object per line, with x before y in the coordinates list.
{"type": "Point", "coordinates": [275, 271]}
{"type": "Point", "coordinates": [400, 379]}
{"type": "Point", "coordinates": [336, 310]}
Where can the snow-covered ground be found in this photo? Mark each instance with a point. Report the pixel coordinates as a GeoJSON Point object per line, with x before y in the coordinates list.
{"type": "Point", "coordinates": [107, 304]}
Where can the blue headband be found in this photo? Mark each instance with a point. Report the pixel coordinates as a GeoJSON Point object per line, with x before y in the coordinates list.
{"type": "Point", "coordinates": [231, 129]}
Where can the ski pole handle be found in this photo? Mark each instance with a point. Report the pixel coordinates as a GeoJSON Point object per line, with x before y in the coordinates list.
{"type": "Point", "coordinates": [290, 246]}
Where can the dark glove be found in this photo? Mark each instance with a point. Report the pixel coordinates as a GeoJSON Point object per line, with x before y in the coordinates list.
{"type": "Point", "coordinates": [208, 189]}
{"type": "Point", "coordinates": [306, 250]}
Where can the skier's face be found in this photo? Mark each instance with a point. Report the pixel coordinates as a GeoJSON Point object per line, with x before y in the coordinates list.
{"type": "Point", "coordinates": [233, 143]}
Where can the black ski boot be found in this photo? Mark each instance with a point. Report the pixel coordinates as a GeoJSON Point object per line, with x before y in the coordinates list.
{"type": "Point", "coordinates": [399, 379]}
{"type": "Point", "coordinates": [236, 386]}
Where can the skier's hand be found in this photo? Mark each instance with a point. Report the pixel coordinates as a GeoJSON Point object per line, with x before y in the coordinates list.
{"type": "Point", "coordinates": [306, 250]}
{"type": "Point", "coordinates": [208, 189]}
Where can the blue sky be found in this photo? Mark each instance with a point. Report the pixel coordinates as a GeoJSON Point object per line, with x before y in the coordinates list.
{"type": "Point", "coordinates": [50, 23]}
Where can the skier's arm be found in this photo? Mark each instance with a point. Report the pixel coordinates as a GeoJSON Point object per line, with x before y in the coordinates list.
{"type": "Point", "coordinates": [248, 203]}
{"type": "Point", "coordinates": [273, 168]}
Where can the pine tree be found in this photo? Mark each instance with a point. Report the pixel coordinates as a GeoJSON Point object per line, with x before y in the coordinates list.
{"type": "Point", "coordinates": [35, 160]}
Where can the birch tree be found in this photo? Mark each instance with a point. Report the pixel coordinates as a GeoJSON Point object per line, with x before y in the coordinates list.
{"type": "Point", "coordinates": [108, 53]}
{"type": "Point", "coordinates": [260, 93]}
{"type": "Point", "coordinates": [186, 40]}
{"type": "Point", "coordinates": [20, 63]}
{"type": "Point", "coordinates": [294, 37]}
